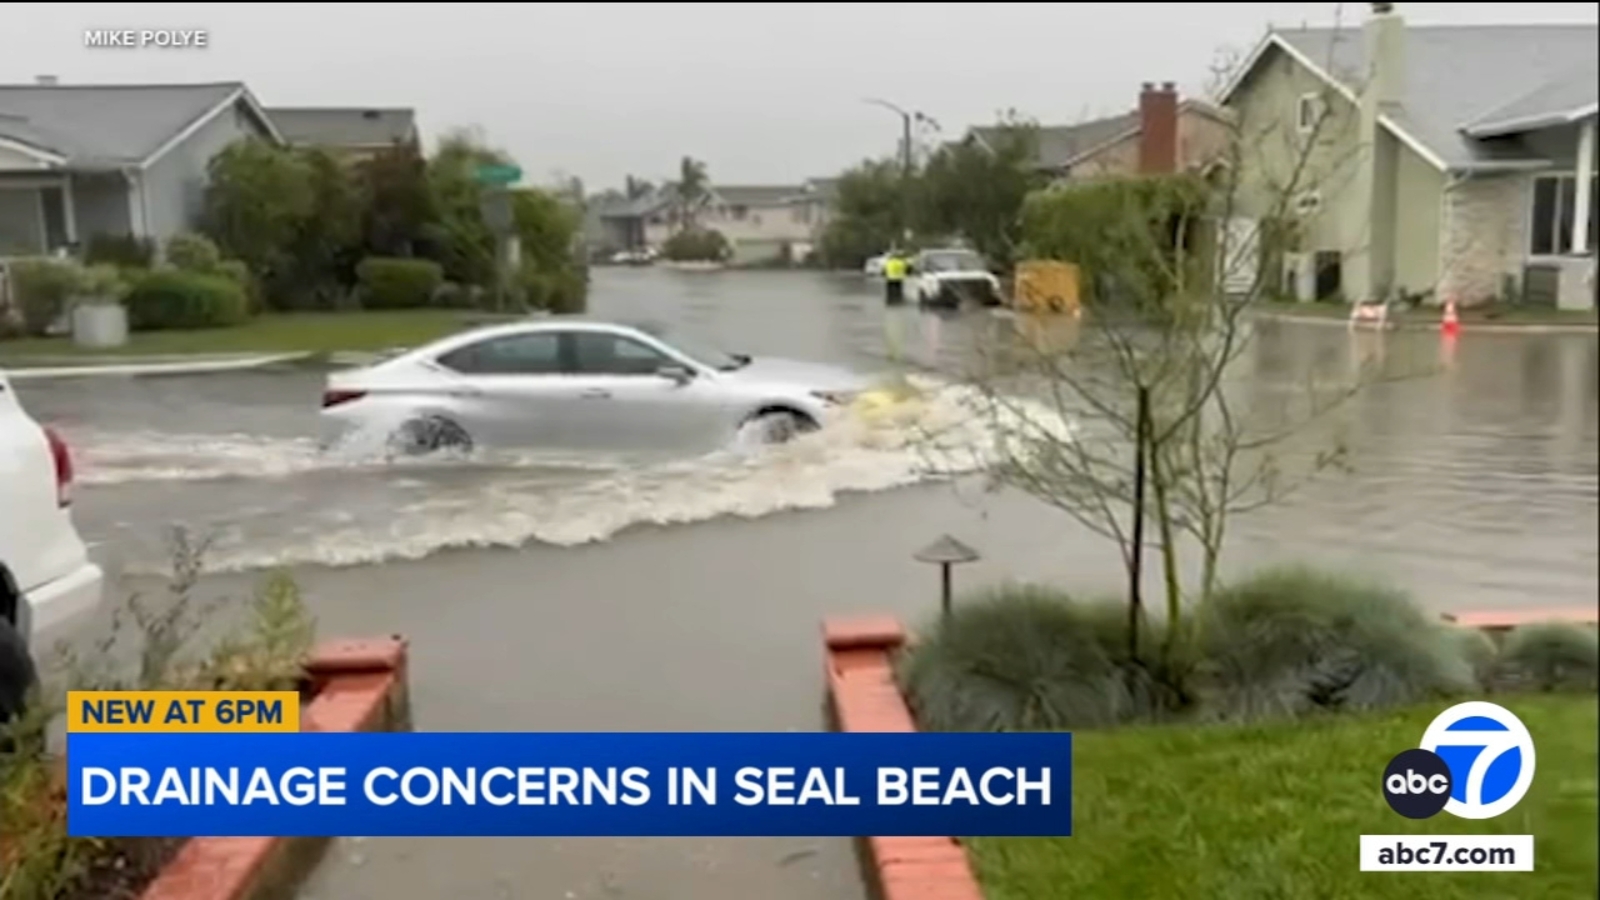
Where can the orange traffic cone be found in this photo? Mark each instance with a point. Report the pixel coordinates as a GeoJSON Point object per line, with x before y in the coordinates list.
{"type": "Point", "coordinates": [1450, 324]}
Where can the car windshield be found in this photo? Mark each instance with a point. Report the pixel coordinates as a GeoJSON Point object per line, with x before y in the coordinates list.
{"type": "Point", "coordinates": [952, 261]}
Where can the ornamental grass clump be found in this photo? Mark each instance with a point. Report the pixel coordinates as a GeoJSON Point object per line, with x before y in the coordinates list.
{"type": "Point", "coordinates": [1550, 656]}
{"type": "Point", "coordinates": [1029, 658]}
{"type": "Point", "coordinates": [1292, 641]}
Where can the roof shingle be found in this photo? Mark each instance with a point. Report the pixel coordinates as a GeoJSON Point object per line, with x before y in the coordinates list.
{"type": "Point", "coordinates": [344, 126]}
{"type": "Point", "coordinates": [105, 125]}
{"type": "Point", "coordinates": [1457, 75]}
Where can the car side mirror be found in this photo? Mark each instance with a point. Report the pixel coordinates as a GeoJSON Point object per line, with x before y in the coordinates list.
{"type": "Point", "coordinates": [676, 373]}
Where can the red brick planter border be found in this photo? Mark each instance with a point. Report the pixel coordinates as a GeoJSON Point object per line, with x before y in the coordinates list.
{"type": "Point", "coordinates": [865, 697]}
{"type": "Point", "coordinates": [358, 685]}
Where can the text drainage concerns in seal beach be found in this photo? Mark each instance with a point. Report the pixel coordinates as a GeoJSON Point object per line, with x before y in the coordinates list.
{"type": "Point", "coordinates": [156, 779]}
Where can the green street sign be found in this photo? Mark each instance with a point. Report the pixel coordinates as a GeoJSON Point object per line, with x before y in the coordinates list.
{"type": "Point", "coordinates": [499, 174]}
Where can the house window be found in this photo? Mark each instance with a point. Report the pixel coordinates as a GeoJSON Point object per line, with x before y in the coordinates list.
{"type": "Point", "coordinates": [801, 213]}
{"type": "Point", "coordinates": [1309, 112]}
{"type": "Point", "coordinates": [739, 212]}
{"type": "Point", "coordinates": [1554, 206]}
{"type": "Point", "coordinates": [1309, 203]}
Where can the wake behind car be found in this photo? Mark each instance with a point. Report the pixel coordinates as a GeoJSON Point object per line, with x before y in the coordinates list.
{"type": "Point", "coordinates": [571, 383]}
{"type": "Point", "coordinates": [951, 277]}
{"type": "Point", "coordinates": [47, 583]}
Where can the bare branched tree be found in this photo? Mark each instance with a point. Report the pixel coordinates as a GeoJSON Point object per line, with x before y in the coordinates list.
{"type": "Point", "coordinates": [1163, 447]}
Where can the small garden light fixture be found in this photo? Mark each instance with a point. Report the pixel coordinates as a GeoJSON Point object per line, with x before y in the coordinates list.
{"type": "Point", "coordinates": [946, 552]}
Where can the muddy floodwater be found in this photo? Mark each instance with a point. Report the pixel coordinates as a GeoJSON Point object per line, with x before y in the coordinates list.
{"type": "Point", "coordinates": [548, 593]}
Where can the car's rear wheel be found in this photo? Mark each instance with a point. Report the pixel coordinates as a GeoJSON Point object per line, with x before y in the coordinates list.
{"type": "Point", "coordinates": [779, 426]}
{"type": "Point", "coordinates": [431, 435]}
{"type": "Point", "coordinates": [17, 674]}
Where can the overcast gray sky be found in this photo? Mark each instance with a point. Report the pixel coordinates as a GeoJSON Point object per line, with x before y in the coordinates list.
{"type": "Point", "coordinates": [765, 93]}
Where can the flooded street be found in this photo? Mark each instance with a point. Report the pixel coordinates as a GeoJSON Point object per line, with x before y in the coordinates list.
{"type": "Point", "coordinates": [543, 593]}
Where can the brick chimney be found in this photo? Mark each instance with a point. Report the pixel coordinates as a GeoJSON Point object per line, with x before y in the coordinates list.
{"type": "Point", "coordinates": [1158, 129]}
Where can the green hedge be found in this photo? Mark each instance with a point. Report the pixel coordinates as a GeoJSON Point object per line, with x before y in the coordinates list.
{"type": "Point", "coordinates": [174, 299]}
{"type": "Point", "coordinates": [121, 250]}
{"type": "Point", "coordinates": [697, 245]}
{"type": "Point", "coordinates": [557, 292]}
{"type": "Point", "coordinates": [193, 253]}
{"type": "Point", "coordinates": [391, 283]}
{"type": "Point", "coordinates": [198, 254]}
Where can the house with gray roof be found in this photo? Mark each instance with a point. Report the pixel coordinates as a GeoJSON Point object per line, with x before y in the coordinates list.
{"type": "Point", "coordinates": [80, 160]}
{"type": "Point", "coordinates": [1452, 162]}
{"type": "Point", "coordinates": [355, 132]}
{"type": "Point", "coordinates": [1189, 134]}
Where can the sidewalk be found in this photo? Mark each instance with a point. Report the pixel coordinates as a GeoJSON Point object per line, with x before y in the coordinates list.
{"type": "Point", "coordinates": [1428, 320]}
{"type": "Point", "coordinates": [80, 365]}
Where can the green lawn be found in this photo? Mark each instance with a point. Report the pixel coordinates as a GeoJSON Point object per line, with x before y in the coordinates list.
{"type": "Point", "coordinates": [274, 333]}
{"type": "Point", "coordinates": [1277, 812]}
{"type": "Point", "coordinates": [1500, 314]}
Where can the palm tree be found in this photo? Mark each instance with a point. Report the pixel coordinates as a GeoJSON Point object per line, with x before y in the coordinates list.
{"type": "Point", "coordinates": [692, 190]}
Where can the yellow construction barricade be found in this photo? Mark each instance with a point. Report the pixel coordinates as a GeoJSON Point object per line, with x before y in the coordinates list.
{"type": "Point", "coordinates": [1046, 286]}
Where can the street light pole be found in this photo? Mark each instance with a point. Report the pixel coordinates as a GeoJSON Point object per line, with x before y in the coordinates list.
{"type": "Point", "coordinates": [906, 118]}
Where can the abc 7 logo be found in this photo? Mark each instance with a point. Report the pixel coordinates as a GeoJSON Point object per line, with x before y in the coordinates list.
{"type": "Point", "coordinates": [1417, 784]}
{"type": "Point", "coordinates": [1493, 756]}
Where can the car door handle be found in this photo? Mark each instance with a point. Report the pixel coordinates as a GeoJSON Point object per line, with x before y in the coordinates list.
{"type": "Point", "coordinates": [595, 394]}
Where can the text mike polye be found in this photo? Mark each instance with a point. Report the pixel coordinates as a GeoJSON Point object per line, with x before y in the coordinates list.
{"type": "Point", "coordinates": [138, 38]}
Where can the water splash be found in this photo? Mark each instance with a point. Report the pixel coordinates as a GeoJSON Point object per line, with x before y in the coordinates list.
{"type": "Point", "coordinates": [915, 432]}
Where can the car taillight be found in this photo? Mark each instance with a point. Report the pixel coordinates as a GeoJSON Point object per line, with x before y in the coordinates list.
{"type": "Point", "coordinates": [62, 457]}
{"type": "Point", "coordinates": [334, 398]}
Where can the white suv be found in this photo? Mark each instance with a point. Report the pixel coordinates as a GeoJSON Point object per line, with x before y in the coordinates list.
{"type": "Point", "coordinates": [47, 583]}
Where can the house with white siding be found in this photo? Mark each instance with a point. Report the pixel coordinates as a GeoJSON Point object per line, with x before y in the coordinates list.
{"type": "Point", "coordinates": [761, 222]}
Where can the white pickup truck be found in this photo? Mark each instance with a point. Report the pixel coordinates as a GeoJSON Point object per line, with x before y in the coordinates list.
{"type": "Point", "coordinates": [47, 583]}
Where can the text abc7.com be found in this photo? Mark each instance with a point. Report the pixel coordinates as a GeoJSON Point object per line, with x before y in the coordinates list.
{"type": "Point", "coordinates": [1476, 761]}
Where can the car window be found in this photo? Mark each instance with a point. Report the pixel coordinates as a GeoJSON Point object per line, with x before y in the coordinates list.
{"type": "Point", "coordinates": [599, 353]}
{"type": "Point", "coordinates": [521, 354]}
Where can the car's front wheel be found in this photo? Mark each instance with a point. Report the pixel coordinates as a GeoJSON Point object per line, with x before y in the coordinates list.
{"type": "Point", "coordinates": [17, 674]}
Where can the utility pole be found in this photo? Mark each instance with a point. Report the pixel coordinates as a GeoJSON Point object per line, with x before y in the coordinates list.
{"type": "Point", "coordinates": [906, 118]}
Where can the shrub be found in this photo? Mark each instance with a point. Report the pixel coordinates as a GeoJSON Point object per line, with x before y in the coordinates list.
{"type": "Point", "coordinates": [1294, 640]}
{"type": "Point", "coordinates": [696, 245]}
{"type": "Point", "coordinates": [1023, 658]}
{"type": "Point", "coordinates": [557, 292]}
{"type": "Point", "coordinates": [392, 283]}
{"type": "Point", "coordinates": [193, 253]}
{"type": "Point", "coordinates": [1479, 652]}
{"type": "Point", "coordinates": [451, 295]}
{"type": "Point", "coordinates": [174, 299]}
{"type": "Point", "coordinates": [151, 645]}
{"type": "Point", "coordinates": [42, 287]}
{"type": "Point", "coordinates": [1550, 656]}
{"type": "Point", "coordinates": [123, 251]}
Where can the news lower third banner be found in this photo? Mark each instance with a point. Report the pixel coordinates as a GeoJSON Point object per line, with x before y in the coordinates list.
{"type": "Point", "coordinates": [225, 783]}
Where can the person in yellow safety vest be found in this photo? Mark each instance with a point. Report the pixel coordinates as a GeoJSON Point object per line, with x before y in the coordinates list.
{"type": "Point", "coordinates": [894, 278]}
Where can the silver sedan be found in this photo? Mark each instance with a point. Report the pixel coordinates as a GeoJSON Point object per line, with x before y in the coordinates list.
{"type": "Point", "coordinates": [578, 384]}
